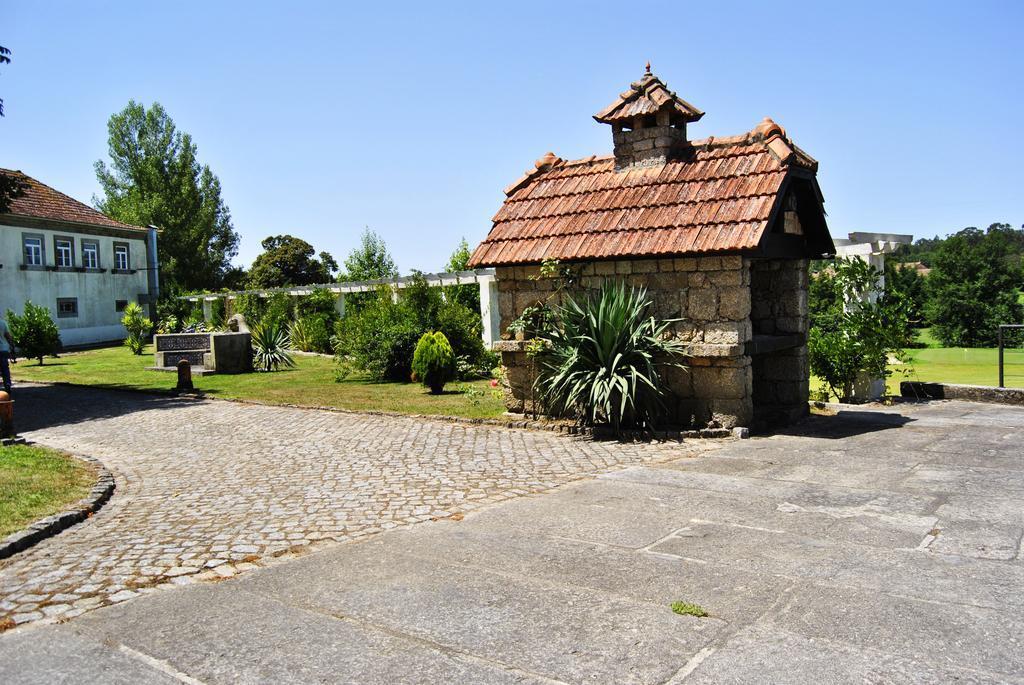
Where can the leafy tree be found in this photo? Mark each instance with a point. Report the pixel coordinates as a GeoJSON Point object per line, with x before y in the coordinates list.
{"type": "Point", "coordinates": [371, 260]}
{"type": "Point", "coordinates": [4, 59]}
{"type": "Point", "coordinates": [154, 178]}
{"type": "Point", "coordinates": [851, 331]}
{"type": "Point", "coordinates": [12, 186]}
{"type": "Point", "coordinates": [469, 294]}
{"type": "Point", "coordinates": [35, 333]}
{"type": "Point", "coordinates": [905, 280]}
{"type": "Point", "coordinates": [974, 285]}
{"type": "Point", "coordinates": [287, 261]}
{"type": "Point", "coordinates": [921, 250]}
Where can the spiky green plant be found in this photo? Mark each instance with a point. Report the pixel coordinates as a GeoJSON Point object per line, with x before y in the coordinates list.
{"type": "Point", "coordinates": [137, 326]}
{"type": "Point", "coordinates": [602, 362]}
{"type": "Point", "coordinates": [271, 347]}
{"type": "Point", "coordinates": [433, 362]}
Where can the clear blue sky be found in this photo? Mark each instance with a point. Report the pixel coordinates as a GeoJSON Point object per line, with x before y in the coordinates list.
{"type": "Point", "coordinates": [322, 118]}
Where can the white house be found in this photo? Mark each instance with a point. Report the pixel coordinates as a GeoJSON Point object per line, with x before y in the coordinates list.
{"type": "Point", "coordinates": [84, 266]}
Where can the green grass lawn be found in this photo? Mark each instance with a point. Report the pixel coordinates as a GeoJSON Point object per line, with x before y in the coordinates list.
{"type": "Point", "coordinates": [964, 365]}
{"type": "Point", "coordinates": [36, 482]}
{"type": "Point", "coordinates": [310, 383]}
{"type": "Point", "coordinates": [967, 365]}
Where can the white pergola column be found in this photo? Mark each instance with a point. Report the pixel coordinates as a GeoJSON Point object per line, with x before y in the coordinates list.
{"type": "Point", "coordinates": [489, 312]}
{"type": "Point", "coordinates": [208, 309]}
{"type": "Point", "coordinates": [339, 305]}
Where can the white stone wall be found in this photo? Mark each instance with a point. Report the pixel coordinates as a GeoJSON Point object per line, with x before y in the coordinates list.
{"type": "Point", "coordinates": [98, 319]}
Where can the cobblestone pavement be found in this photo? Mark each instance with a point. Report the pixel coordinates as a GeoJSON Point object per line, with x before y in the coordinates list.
{"type": "Point", "coordinates": [207, 489]}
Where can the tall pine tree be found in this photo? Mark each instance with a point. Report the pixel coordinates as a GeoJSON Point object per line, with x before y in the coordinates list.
{"type": "Point", "coordinates": [155, 179]}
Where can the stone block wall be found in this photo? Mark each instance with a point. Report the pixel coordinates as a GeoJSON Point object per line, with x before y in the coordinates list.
{"type": "Point", "coordinates": [779, 307]}
{"type": "Point", "coordinates": [651, 146]}
{"type": "Point", "coordinates": [712, 297]}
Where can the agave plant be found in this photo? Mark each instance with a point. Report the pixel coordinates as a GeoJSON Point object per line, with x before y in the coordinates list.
{"type": "Point", "coordinates": [602, 362]}
{"type": "Point", "coordinates": [271, 347]}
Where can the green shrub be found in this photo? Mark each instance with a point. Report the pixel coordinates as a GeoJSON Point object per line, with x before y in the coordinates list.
{"type": "Point", "coordinates": [270, 347]}
{"type": "Point", "coordinates": [137, 326]}
{"type": "Point", "coordinates": [850, 333]}
{"type": "Point", "coordinates": [319, 302]}
{"type": "Point", "coordinates": [35, 333]}
{"type": "Point", "coordinates": [379, 337]}
{"type": "Point", "coordinates": [252, 307]}
{"type": "Point", "coordinates": [310, 334]}
{"type": "Point", "coordinates": [433, 363]}
{"type": "Point", "coordinates": [600, 362]}
{"type": "Point", "coordinates": [218, 313]}
{"type": "Point", "coordinates": [278, 310]}
{"type": "Point", "coordinates": [169, 306]}
{"type": "Point", "coordinates": [168, 324]}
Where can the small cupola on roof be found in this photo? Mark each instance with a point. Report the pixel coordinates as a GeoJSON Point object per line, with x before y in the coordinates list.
{"type": "Point", "coordinates": [648, 123]}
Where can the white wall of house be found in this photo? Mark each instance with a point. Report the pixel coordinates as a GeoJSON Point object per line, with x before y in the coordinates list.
{"type": "Point", "coordinates": [97, 292]}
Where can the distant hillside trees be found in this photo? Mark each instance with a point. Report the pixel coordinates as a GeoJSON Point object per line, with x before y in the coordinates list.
{"type": "Point", "coordinates": [154, 178]}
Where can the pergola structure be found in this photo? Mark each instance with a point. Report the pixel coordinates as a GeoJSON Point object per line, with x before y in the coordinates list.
{"type": "Point", "coordinates": [871, 248]}
{"type": "Point", "coordinates": [484, 278]}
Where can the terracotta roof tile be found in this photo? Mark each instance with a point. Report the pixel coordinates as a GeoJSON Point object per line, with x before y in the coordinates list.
{"type": "Point", "coordinates": [647, 96]}
{"type": "Point", "coordinates": [717, 200]}
{"type": "Point", "coordinates": [40, 201]}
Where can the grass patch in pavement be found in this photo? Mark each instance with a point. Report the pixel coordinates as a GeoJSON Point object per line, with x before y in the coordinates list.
{"type": "Point", "coordinates": [36, 482]}
{"type": "Point", "coordinates": [688, 609]}
{"type": "Point", "coordinates": [310, 383]}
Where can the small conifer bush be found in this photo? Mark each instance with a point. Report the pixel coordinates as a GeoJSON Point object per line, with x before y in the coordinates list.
{"type": "Point", "coordinates": [433, 362]}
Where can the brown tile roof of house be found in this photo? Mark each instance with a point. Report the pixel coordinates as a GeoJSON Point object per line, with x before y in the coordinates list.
{"type": "Point", "coordinates": [40, 201]}
{"type": "Point", "coordinates": [719, 199]}
{"type": "Point", "coordinates": [647, 96]}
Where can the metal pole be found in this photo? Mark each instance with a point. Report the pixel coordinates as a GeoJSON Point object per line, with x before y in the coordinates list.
{"type": "Point", "coordinates": [1001, 357]}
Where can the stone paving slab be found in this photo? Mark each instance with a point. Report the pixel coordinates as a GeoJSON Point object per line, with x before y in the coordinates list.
{"type": "Point", "coordinates": [806, 580]}
{"type": "Point", "coordinates": [206, 488]}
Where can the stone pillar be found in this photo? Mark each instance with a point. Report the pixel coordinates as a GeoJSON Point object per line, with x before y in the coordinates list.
{"type": "Point", "coordinates": [339, 305]}
{"type": "Point", "coordinates": [208, 309]}
{"type": "Point", "coordinates": [394, 293]}
{"type": "Point", "coordinates": [489, 310]}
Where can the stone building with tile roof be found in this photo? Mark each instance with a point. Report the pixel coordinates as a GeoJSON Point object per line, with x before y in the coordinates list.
{"type": "Point", "coordinates": [719, 230]}
{"type": "Point", "coordinates": [82, 265]}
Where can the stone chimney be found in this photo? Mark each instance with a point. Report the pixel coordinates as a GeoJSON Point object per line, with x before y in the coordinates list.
{"type": "Point", "coordinates": [648, 124]}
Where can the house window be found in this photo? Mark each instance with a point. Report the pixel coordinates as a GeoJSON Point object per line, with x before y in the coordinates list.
{"type": "Point", "coordinates": [90, 255]}
{"type": "Point", "coordinates": [63, 249]}
{"type": "Point", "coordinates": [121, 262]}
{"type": "Point", "coordinates": [121, 305]}
{"type": "Point", "coordinates": [67, 307]}
{"type": "Point", "coordinates": [33, 250]}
